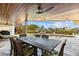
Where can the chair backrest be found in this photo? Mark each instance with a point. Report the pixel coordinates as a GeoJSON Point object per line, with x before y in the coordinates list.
{"type": "Point", "coordinates": [22, 35]}
{"type": "Point", "coordinates": [37, 35]}
{"type": "Point", "coordinates": [62, 49]}
{"type": "Point", "coordinates": [11, 43]}
{"type": "Point", "coordinates": [16, 47]}
{"type": "Point", "coordinates": [45, 36]}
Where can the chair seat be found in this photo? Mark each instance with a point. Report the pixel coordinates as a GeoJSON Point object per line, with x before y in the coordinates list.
{"type": "Point", "coordinates": [52, 53]}
{"type": "Point", "coordinates": [28, 51]}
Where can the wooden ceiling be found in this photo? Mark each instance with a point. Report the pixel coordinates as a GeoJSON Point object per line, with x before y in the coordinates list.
{"type": "Point", "coordinates": [17, 12]}
{"type": "Point", "coordinates": [10, 12]}
{"type": "Point", "coordinates": [60, 11]}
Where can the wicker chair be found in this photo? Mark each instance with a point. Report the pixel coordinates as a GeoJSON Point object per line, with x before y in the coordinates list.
{"type": "Point", "coordinates": [54, 53]}
{"type": "Point", "coordinates": [18, 50]}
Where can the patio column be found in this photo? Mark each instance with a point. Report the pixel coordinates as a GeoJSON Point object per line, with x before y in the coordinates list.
{"type": "Point", "coordinates": [12, 30]}
{"type": "Point", "coordinates": [26, 24]}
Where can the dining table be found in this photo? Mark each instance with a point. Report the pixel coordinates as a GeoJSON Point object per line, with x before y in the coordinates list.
{"type": "Point", "coordinates": [41, 43]}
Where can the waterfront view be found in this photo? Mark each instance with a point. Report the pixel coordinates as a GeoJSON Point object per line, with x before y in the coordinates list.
{"type": "Point", "coordinates": [59, 27]}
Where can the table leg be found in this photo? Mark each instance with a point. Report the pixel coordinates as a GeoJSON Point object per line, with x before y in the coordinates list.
{"type": "Point", "coordinates": [42, 52]}
{"type": "Point", "coordinates": [35, 51]}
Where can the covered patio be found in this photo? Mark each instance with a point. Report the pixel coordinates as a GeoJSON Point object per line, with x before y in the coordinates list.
{"type": "Point", "coordinates": [18, 14]}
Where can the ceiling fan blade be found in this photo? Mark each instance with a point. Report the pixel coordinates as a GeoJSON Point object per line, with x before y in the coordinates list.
{"type": "Point", "coordinates": [39, 12]}
{"type": "Point", "coordinates": [48, 9]}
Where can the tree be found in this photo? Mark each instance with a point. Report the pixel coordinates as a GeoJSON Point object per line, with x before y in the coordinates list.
{"type": "Point", "coordinates": [32, 28]}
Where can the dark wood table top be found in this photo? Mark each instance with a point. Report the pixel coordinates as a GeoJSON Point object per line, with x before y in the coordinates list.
{"type": "Point", "coordinates": [46, 44]}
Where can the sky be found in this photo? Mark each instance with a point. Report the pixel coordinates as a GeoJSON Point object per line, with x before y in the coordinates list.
{"type": "Point", "coordinates": [54, 24]}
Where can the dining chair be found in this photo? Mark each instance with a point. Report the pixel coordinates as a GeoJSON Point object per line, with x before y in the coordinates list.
{"type": "Point", "coordinates": [22, 35]}
{"type": "Point", "coordinates": [23, 44]}
{"type": "Point", "coordinates": [62, 49]}
{"type": "Point", "coordinates": [1, 36]}
{"type": "Point", "coordinates": [46, 53]}
{"type": "Point", "coordinates": [18, 50]}
{"type": "Point", "coordinates": [37, 35]}
{"type": "Point", "coordinates": [45, 36]}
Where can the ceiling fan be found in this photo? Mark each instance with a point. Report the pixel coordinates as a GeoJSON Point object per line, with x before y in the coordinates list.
{"type": "Point", "coordinates": [41, 10]}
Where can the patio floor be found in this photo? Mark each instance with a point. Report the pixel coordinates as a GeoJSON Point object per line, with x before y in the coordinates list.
{"type": "Point", "coordinates": [71, 48]}
{"type": "Point", "coordinates": [5, 48]}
